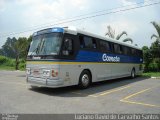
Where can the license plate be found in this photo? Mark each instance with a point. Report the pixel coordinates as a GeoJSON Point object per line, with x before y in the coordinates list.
{"type": "Point", "coordinates": [36, 72]}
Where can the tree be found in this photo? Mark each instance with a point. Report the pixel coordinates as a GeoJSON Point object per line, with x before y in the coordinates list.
{"type": "Point", "coordinates": [16, 48]}
{"type": "Point", "coordinates": [1, 52]}
{"type": "Point", "coordinates": [111, 34]}
{"type": "Point", "coordinates": [152, 55]}
{"type": "Point", "coordinates": [24, 43]}
{"type": "Point", "coordinates": [155, 49]}
{"type": "Point", "coordinates": [29, 39]}
{"type": "Point", "coordinates": [7, 47]}
{"type": "Point", "coordinates": [147, 57]}
{"type": "Point", "coordinates": [20, 49]}
{"type": "Point", "coordinates": [157, 27]}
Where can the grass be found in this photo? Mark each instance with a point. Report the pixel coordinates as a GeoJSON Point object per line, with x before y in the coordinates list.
{"type": "Point", "coordinates": [12, 68]}
{"type": "Point", "coordinates": [152, 74]}
{"type": "Point", "coordinates": [2, 67]}
{"type": "Point", "coordinates": [9, 63]}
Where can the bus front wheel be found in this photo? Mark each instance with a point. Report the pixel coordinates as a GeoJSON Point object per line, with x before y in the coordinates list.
{"type": "Point", "coordinates": [84, 79]}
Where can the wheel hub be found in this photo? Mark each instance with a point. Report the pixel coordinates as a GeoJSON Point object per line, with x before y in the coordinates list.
{"type": "Point", "coordinates": [85, 79]}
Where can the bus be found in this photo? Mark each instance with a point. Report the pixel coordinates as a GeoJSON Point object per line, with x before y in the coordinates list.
{"type": "Point", "coordinates": [66, 56]}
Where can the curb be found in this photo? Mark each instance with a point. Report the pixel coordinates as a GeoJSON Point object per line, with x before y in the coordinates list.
{"type": "Point", "coordinates": [155, 77]}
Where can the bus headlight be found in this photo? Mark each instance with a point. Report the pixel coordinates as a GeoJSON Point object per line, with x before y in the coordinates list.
{"type": "Point", "coordinates": [46, 73]}
{"type": "Point", "coordinates": [28, 71]}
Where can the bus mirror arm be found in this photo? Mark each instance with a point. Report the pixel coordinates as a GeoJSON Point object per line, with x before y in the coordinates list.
{"type": "Point", "coordinates": [65, 52]}
{"type": "Point", "coordinates": [28, 48]}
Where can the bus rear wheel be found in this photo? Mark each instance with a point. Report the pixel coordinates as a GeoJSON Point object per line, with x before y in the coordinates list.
{"type": "Point", "coordinates": [84, 79]}
{"type": "Point", "coordinates": [133, 73]}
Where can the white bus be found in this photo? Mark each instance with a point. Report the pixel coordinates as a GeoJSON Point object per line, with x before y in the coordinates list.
{"type": "Point", "coordinates": [60, 57]}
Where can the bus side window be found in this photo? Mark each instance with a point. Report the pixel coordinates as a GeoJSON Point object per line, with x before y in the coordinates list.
{"type": "Point", "coordinates": [81, 42]}
{"type": "Point", "coordinates": [125, 50]}
{"type": "Point", "coordinates": [121, 49]}
{"type": "Point", "coordinates": [139, 54]}
{"type": "Point", "coordinates": [87, 42]}
{"type": "Point", "coordinates": [68, 47]}
{"type": "Point", "coordinates": [129, 51]}
{"type": "Point", "coordinates": [117, 49]}
{"type": "Point", "coordinates": [94, 43]}
{"type": "Point", "coordinates": [102, 46]}
{"type": "Point", "coordinates": [105, 46]}
{"type": "Point", "coordinates": [133, 51]}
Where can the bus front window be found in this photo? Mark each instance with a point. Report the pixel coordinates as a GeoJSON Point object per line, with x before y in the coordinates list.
{"type": "Point", "coordinates": [47, 44]}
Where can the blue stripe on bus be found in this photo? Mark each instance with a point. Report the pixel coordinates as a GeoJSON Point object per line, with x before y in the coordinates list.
{"type": "Point", "coordinates": [92, 56]}
{"type": "Point", "coordinates": [89, 56]}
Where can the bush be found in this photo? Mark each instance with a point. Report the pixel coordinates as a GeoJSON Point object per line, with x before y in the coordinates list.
{"type": "Point", "coordinates": [10, 63]}
{"type": "Point", "coordinates": [2, 60]}
{"type": "Point", "coordinates": [6, 61]}
{"type": "Point", "coordinates": [154, 67]}
{"type": "Point", "coordinates": [22, 64]}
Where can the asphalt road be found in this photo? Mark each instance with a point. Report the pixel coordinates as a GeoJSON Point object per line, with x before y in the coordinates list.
{"type": "Point", "coordinates": [139, 95]}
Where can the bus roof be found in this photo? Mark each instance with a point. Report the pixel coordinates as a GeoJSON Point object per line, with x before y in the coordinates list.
{"type": "Point", "coordinates": [75, 31]}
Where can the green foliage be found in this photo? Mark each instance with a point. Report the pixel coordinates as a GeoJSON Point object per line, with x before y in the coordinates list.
{"type": "Point", "coordinates": [151, 55]}
{"type": "Point", "coordinates": [7, 49]}
{"type": "Point", "coordinates": [153, 67]}
{"type": "Point", "coordinates": [157, 27]}
{"type": "Point", "coordinates": [16, 48]}
{"type": "Point", "coordinates": [155, 49]}
{"type": "Point", "coordinates": [152, 74]}
{"type": "Point", "coordinates": [9, 63]}
{"type": "Point", "coordinates": [22, 64]}
{"type": "Point", "coordinates": [6, 68]}
{"type": "Point", "coordinates": [147, 58]}
{"type": "Point", "coordinates": [2, 60]}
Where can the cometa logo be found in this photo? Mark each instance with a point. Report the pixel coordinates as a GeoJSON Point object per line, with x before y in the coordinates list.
{"type": "Point", "coordinates": [110, 58]}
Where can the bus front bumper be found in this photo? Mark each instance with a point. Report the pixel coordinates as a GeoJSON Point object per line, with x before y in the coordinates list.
{"type": "Point", "coordinates": [41, 82]}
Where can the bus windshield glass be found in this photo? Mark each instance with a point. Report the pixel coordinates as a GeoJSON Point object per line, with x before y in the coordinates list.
{"type": "Point", "coordinates": [47, 44]}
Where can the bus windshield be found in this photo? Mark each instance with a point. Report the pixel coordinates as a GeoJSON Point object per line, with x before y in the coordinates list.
{"type": "Point", "coordinates": [47, 44]}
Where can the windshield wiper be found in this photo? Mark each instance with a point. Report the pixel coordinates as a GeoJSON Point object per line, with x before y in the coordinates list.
{"type": "Point", "coordinates": [42, 46]}
{"type": "Point", "coordinates": [36, 49]}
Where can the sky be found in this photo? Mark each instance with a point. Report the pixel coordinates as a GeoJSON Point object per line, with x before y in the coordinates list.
{"type": "Point", "coordinates": [24, 17]}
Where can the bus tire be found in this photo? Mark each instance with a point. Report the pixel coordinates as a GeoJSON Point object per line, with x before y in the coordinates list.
{"type": "Point", "coordinates": [84, 79]}
{"type": "Point", "coordinates": [133, 75]}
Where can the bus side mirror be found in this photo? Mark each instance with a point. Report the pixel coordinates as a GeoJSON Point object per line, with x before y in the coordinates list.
{"type": "Point", "coordinates": [67, 47]}
{"type": "Point", "coordinates": [66, 44]}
